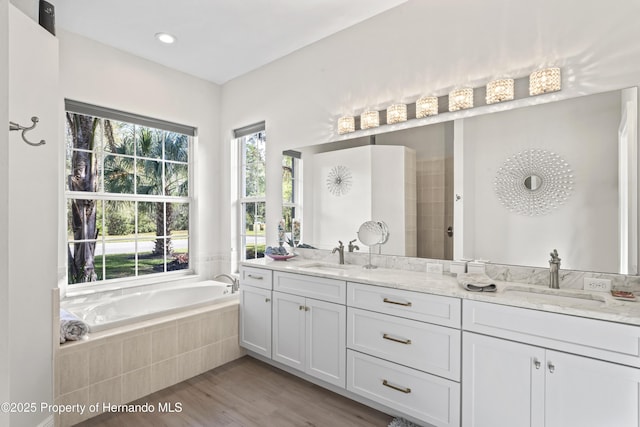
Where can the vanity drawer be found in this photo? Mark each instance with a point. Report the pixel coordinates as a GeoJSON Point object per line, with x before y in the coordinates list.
{"type": "Point", "coordinates": [426, 397]}
{"type": "Point", "coordinates": [599, 339]}
{"type": "Point", "coordinates": [413, 305]}
{"type": "Point", "coordinates": [320, 288]}
{"type": "Point", "coordinates": [423, 346]}
{"type": "Point", "coordinates": [258, 277]}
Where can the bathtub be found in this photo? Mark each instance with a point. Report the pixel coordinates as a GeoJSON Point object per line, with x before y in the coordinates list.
{"type": "Point", "coordinates": [117, 311]}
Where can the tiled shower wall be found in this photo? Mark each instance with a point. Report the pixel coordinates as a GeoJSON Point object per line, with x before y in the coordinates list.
{"type": "Point", "coordinates": [434, 192]}
{"type": "Point", "coordinates": [123, 364]}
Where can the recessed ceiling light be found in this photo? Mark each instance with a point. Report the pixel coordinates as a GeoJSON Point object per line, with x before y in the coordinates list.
{"type": "Point", "coordinates": [165, 38]}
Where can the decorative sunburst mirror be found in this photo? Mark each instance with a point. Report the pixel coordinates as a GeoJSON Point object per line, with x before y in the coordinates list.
{"type": "Point", "coordinates": [534, 182]}
{"type": "Point", "coordinates": [339, 180]}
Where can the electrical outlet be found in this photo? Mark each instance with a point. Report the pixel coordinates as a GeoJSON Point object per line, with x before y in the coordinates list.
{"type": "Point", "coordinates": [593, 284]}
{"type": "Point", "coordinates": [434, 268]}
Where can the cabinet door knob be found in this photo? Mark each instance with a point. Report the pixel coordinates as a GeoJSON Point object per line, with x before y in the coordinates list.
{"type": "Point", "coordinates": [552, 367]}
{"type": "Point", "coordinates": [536, 363]}
{"type": "Point", "coordinates": [267, 300]}
{"type": "Point", "coordinates": [301, 307]}
{"type": "Point", "coordinates": [307, 308]}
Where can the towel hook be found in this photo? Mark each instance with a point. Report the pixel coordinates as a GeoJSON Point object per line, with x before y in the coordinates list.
{"type": "Point", "coordinates": [24, 129]}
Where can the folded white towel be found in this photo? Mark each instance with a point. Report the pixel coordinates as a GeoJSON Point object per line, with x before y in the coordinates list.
{"type": "Point", "coordinates": [71, 328]}
{"type": "Point", "coordinates": [476, 282]}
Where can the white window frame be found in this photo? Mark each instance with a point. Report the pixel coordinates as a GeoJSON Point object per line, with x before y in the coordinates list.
{"type": "Point", "coordinates": [103, 196]}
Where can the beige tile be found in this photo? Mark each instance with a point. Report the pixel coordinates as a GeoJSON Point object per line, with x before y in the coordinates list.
{"type": "Point", "coordinates": [108, 391]}
{"type": "Point", "coordinates": [229, 323]}
{"type": "Point", "coordinates": [164, 343]}
{"type": "Point", "coordinates": [211, 328]}
{"type": "Point", "coordinates": [136, 352]}
{"type": "Point", "coordinates": [231, 350]}
{"type": "Point", "coordinates": [189, 335]}
{"type": "Point", "coordinates": [189, 365]}
{"type": "Point", "coordinates": [211, 356]}
{"type": "Point", "coordinates": [105, 361]}
{"type": "Point", "coordinates": [81, 397]}
{"type": "Point", "coordinates": [73, 371]}
{"type": "Point", "coordinates": [164, 374]}
{"type": "Point", "coordinates": [136, 384]}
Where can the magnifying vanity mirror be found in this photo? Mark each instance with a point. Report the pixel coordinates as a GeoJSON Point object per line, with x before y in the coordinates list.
{"type": "Point", "coordinates": [421, 189]}
{"type": "Point", "coordinates": [372, 233]}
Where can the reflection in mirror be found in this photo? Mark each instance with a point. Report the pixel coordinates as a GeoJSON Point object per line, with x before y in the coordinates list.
{"type": "Point", "coordinates": [532, 182]}
{"type": "Point", "coordinates": [596, 229]}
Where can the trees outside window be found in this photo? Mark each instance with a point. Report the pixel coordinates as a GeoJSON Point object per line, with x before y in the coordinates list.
{"type": "Point", "coordinates": [252, 167]}
{"type": "Point", "coordinates": [128, 199]}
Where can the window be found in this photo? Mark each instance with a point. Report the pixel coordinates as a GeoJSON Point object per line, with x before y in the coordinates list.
{"type": "Point", "coordinates": [127, 195]}
{"type": "Point", "coordinates": [291, 196]}
{"type": "Point", "coordinates": [252, 197]}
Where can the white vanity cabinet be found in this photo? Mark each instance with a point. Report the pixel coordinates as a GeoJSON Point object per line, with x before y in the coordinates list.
{"type": "Point", "coordinates": [404, 351]}
{"type": "Point", "coordinates": [255, 310]}
{"type": "Point", "coordinates": [309, 325]}
{"type": "Point", "coordinates": [531, 383]}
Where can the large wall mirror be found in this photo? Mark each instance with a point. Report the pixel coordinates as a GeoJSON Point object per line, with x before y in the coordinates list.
{"type": "Point", "coordinates": [522, 182]}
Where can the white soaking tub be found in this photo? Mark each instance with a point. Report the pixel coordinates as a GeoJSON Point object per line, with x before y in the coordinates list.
{"type": "Point", "coordinates": [121, 310]}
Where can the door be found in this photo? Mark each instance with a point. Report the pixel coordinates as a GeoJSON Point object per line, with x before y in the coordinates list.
{"type": "Point", "coordinates": [289, 330]}
{"type": "Point", "coordinates": [326, 326]}
{"type": "Point", "coordinates": [590, 393]}
{"type": "Point", "coordinates": [255, 320]}
{"type": "Point", "coordinates": [502, 383]}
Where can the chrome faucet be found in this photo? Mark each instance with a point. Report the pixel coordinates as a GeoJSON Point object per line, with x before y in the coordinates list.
{"type": "Point", "coordinates": [340, 250]}
{"type": "Point", "coordinates": [554, 270]}
{"type": "Point", "coordinates": [353, 247]}
{"type": "Point", "coordinates": [235, 283]}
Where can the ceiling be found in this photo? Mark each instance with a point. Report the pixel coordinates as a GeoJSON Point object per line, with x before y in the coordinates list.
{"type": "Point", "coordinates": [217, 40]}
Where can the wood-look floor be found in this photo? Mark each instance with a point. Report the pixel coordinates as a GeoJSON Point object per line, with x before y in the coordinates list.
{"type": "Point", "coordinates": [247, 393]}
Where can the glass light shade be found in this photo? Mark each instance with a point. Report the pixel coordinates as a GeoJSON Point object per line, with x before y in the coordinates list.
{"type": "Point", "coordinates": [499, 90]}
{"type": "Point", "coordinates": [460, 99]}
{"type": "Point", "coordinates": [545, 80]}
{"type": "Point", "coordinates": [396, 113]}
{"type": "Point", "coordinates": [346, 124]}
{"type": "Point", "coordinates": [369, 119]}
{"type": "Point", "coordinates": [426, 106]}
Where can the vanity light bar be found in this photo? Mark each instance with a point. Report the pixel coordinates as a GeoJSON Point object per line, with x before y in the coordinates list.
{"type": "Point", "coordinates": [540, 82]}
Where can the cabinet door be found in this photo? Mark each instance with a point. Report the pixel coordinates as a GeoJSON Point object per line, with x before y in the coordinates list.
{"type": "Point", "coordinates": [326, 327]}
{"type": "Point", "coordinates": [255, 320]}
{"type": "Point", "coordinates": [590, 393]}
{"type": "Point", "coordinates": [289, 329]}
{"type": "Point", "coordinates": [502, 383]}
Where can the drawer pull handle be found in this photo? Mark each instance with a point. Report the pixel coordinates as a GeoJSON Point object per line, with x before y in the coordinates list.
{"type": "Point", "coordinates": [405, 304]}
{"type": "Point", "coordinates": [251, 276]}
{"type": "Point", "coordinates": [406, 390]}
{"type": "Point", "coordinates": [552, 367]}
{"type": "Point", "coordinates": [390, 338]}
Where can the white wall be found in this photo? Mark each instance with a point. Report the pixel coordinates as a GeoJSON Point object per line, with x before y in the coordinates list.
{"type": "Point", "coordinates": [422, 47]}
{"type": "Point", "coordinates": [584, 132]}
{"type": "Point", "coordinates": [98, 74]}
{"type": "Point", "coordinates": [32, 213]}
{"type": "Point", "coordinates": [4, 203]}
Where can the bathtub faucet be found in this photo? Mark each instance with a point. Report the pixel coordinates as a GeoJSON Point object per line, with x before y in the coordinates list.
{"type": "Point", "coordinates": [235, 283]}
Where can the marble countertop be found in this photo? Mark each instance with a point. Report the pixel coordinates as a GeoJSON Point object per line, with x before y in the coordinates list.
{"type": "Point", "coordinates": [594, 305]}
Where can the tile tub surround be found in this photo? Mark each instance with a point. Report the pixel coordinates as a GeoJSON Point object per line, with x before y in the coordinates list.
{"type": "Point", "coordinates": [447, 285]}
{"type": "Point", "coordinates": [123, 364]}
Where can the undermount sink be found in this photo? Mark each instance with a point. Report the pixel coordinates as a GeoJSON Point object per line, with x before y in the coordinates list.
{"type": "Point", "coordinates": [558, 297]}
{"type": "Point", "coordinates": [326, 266]}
